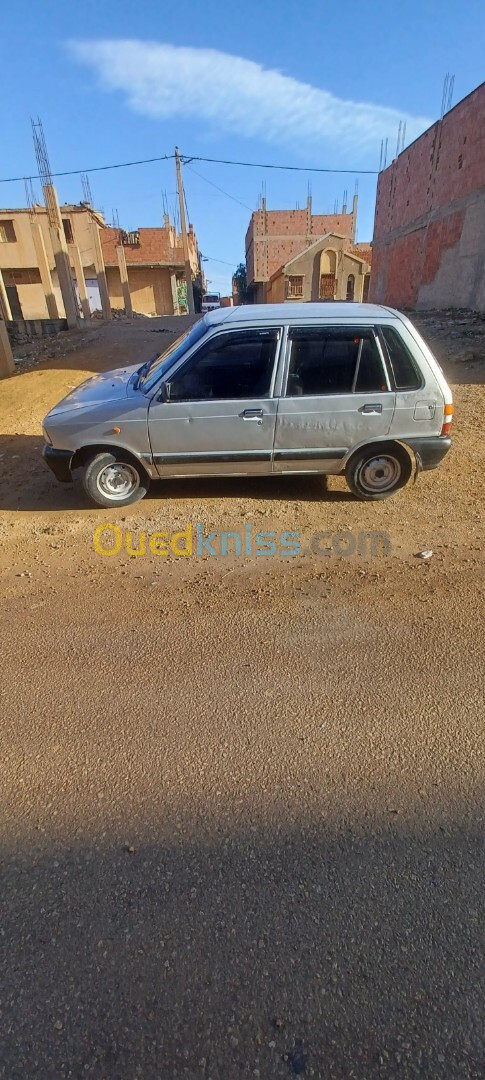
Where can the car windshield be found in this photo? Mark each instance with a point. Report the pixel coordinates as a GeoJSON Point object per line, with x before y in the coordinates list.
{"type": "Point", "coordinates": [211, 298]}
{"type": "Point", "coordinates": [156, 368]}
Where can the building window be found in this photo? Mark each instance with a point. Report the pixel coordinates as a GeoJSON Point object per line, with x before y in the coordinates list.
{"type": "Point", "coordinates": [7, 232]}
{"type": "Point", "coordinates": [294, 287]}
{"type": "Point", "coordinates": [68, 231]}
{"type": "Point", "coordinates": [328, 284]}
{"type": "Point", "coordinates": [130, 239]}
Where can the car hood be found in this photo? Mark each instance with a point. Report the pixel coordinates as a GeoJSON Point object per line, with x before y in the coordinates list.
{"type": "Point", "coordinates": [106, 387]}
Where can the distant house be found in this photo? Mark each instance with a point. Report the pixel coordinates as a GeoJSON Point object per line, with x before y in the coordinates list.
{"type": "Point", "coordinates": [275, 237]}
{"type": "Point", "coordinates": [329, 269]}
{"type": "Point", "coordinates": [156, 268]}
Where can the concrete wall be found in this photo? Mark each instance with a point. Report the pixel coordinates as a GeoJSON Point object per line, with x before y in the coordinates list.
{"type": "Point", "coordinates": [22, 254]}
{"type": "Point", "coordinates": [115, 291]}
{"type": "Point", "coordinates": [429, 232]}
{"type": "Point", "coordinates": [150, 289]}
{"type": "Point", "coordinates": [275, 236]}
{"type": "Point", "coordinates": [275, 290]}
{"type": "Point", "coordinates": [29, 291]}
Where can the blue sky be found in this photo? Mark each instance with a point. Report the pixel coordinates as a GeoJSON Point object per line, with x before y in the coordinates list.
{"type": "Point", "coordinates": [317, 84]}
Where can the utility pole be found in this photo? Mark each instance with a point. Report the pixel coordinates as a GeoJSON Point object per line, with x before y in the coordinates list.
{"type": "Point", "coordinates": [185, 241]}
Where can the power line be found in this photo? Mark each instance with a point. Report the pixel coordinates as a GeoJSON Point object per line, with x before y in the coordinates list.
{"type": "Point", "coordinates": [222, 261]}
{"type": "Point", "coordinates": [186, 160]}
{"type": "Point", "coordinates": [211, 182]}
{"type": "Point", "coordinates": [96, 168]}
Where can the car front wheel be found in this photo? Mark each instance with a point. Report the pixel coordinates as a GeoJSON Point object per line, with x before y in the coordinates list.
{"type": "Point", "coordinates": [377, 472]}
{"type": "Point", "coordinates": [110, 481]}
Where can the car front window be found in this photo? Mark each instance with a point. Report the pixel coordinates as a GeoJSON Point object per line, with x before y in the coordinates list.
{"type": "Point", "coordinates": [162, 363]}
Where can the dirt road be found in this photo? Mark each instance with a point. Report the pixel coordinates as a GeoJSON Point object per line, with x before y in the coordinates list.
{"type": "Point", "coordinates": [242, 799]}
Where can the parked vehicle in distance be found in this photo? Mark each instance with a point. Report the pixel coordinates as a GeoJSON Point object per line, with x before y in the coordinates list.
{"type": "Point", "coordinates": [210, 302]}
{"type": "Point", "coordinates": [301, 388]}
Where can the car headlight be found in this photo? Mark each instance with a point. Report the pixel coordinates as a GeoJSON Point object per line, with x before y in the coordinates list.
{"type": "Point", "coordinates": [46, 436]}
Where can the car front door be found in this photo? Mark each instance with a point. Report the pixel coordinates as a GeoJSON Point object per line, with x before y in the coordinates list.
{"type": "Point", "coordinates": [336, 396]}
{"type": "Point", "coordinates": [220, 414]}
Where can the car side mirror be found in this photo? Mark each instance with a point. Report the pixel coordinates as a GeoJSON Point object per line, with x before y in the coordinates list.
{"type": "Point", "coordinates": [165, 391]}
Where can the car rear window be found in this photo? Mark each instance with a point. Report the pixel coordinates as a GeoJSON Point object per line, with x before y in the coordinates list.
{"type": "Point", "coordinates": [334, 360]}
{"type": "Point", "coordinates": [403, 368]}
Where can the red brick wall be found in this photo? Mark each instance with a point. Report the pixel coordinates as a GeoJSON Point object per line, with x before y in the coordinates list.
{"type": "Point", "coordinates": [154, 247]}
{"type": "Point", "coordinates": [286, 233]}
{"type": "Point", "coordinates": [364, 251]}
{"type": "Point", "coordinates": [421, 211]}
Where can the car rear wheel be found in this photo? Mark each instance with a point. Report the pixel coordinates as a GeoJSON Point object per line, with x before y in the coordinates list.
{"type": "Point", "coordinates": [110, 481]}
{"type": "Point", "coordinates": [377, 472]}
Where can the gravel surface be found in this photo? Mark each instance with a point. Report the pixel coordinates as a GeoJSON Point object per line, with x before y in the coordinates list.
{"type": "Point", "coordinates": [241, 807]}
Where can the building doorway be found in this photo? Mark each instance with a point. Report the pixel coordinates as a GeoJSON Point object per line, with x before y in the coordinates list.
{"type": "Point", "coordinates": [14, 301]}
{"type": "Point", "coordinates": [350, 288]}
{"type": "Point", "coordinates": [328, 275]}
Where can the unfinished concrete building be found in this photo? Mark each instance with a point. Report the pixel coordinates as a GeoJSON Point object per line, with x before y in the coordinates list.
{"type": "Point", "coordinates": [27, 262]}
{"type": "Point", "coordinates": [327, 270]}
{"type": "Point", "coordinates": [155, 268]}
{"type": "Point", "coordinates": [276, 236]}
{"type": "Point", "coordinates": [429, 232]}
{"type": "Point", "coordinates": [143, 269]}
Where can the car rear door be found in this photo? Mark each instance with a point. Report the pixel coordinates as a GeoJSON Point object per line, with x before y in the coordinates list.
{"type": "Point", "coordinates": [335, 395]}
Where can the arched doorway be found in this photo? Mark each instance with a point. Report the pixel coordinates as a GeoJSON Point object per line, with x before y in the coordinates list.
{"type": "Point", "coordinates": [365, 292]}
{"type": "Point", "coordinates": [350, 287]}
{"type": "Point", "coordinates": [328, 280]}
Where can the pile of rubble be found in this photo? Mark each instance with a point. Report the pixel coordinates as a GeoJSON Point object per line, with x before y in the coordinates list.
{"type": "Point", "coordinates": [35, 351]}
{"type": "Point", "coordinates": [457, 334]}
{"type": "Point", "coordinates": [120, 313]}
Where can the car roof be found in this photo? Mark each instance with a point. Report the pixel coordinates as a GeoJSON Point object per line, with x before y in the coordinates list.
{"type": "Point", "coordinates": [290, 313]}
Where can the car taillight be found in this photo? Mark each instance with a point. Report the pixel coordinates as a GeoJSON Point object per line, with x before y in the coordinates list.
{"type": "Point", "coordinates": [447, 418]}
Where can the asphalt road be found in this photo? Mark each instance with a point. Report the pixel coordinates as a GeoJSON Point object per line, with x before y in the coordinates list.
{"type": "Point", "coordinates": [241, 808]}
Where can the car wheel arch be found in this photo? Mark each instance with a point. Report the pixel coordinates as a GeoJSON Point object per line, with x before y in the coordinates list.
{"type": "Point", "coordinates": [84, 453]}
{"type": "Point", "coordinates": [386, 443]}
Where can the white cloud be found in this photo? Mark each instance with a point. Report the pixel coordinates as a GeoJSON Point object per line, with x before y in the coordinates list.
{"type": "Point", "coordinates": [238, 96]}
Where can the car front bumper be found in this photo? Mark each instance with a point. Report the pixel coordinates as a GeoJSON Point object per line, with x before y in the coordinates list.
{"type": "Point", "coordinates": [59, 461]}
{"type": "Point", "coordinates": [429, 451]}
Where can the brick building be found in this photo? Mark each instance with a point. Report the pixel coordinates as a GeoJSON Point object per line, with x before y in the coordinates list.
{"type": "Point", "coordinates": [327, 270]}
{"type": "Point", "coordinates": [276, 236]}
{"type": "Point", "coordinates": [156, 269]}
{"type": "Point", "coordinates": [429, 231]}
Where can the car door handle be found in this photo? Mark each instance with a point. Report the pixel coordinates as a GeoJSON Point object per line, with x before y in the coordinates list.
{"type": "Point", "coordinates": [253, 414]}
{"type": "Point", "coordinates": [370, 409]}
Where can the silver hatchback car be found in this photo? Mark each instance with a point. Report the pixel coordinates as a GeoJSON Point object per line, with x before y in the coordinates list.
{"type": "Point", "coordinates": [284, 388]}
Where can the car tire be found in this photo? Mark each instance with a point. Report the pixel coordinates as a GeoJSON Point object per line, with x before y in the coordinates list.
{"type": "Point", "coordinates": [377, 472]}
{"type": "Point", "coordinates": [112, 481]}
